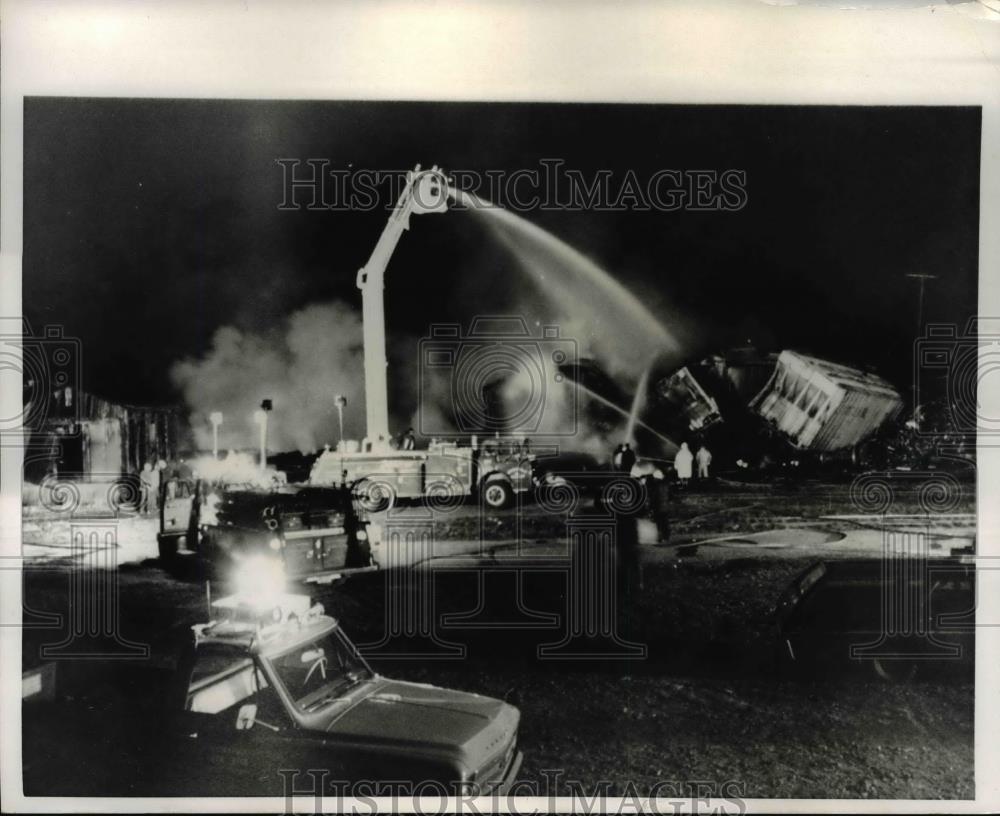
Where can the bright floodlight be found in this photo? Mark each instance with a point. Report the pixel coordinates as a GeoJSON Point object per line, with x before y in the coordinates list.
{"type": "Point", "coordinates": [260, 577]}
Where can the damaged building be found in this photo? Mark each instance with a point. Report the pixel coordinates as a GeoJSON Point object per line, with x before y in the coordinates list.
{"type": "Point", "coordinates": [80, 436]}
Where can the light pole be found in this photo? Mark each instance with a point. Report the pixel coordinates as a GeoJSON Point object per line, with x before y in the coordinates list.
{"type": "Point", "coordinates": [923, 278]}
{"type": "Point", "coordinates": [340, 401]}
{"type": "Point", "coordinates": [260, 417]}
{"type": "Point", "coordinates": [216, 419]}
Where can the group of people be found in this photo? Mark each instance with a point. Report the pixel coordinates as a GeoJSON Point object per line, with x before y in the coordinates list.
{"type": "Point", "coordinates": [156, 479]}
{"type": "Point", "coordinates": [657, 486]}
{"type": "Point", "coordinates": [624, 458]}
{"type": "Point", "coordinates": [684, 460]}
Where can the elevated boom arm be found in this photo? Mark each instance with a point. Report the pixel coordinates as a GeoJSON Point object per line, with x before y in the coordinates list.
{"type": "Point", "coordinates": [425, 191]}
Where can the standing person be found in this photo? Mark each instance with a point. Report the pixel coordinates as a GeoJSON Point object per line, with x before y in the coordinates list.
{"type": "Point", "coordinates": [172, 480]}
{"type": "Point", "coordinates": [682, 463]}
{"type": "Point", "coordinates": [627, 552]}
{"type": "Point", "coordinates": [627, 458]}
{"type": "Point", "coordinates": [146, 478]}
{"type": "Point", "coordinates": [409, 441]}
{"type": "Point", "coordinates": [704, 458]}
{"type": "Point", "coordinates": [616, 457]}
{"type": "Point", "coordinates": [159, 478]}
{"type": "Point", "coordinates": [658, 497]}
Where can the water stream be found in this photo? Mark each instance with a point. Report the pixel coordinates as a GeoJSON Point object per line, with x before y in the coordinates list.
{"type": "Point", "coordinates": [631, 417]}
{"type": "Point", "coordinates": [638, 401]}
{"type": "Point", "coordinates": [606, 320]}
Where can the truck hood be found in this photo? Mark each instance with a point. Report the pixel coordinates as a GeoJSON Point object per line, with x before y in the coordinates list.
{"type": "Point", "coordinates": [476, 727]}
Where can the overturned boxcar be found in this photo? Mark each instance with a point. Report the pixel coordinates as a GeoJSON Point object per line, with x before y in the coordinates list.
{"type": "Point", "coordinates": [822, 406]}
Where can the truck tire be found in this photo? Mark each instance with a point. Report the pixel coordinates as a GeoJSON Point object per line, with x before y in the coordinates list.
{"type": "Point", "coordinates": [373, 496]}
{"type": "Point", "coordinates": [497, 494]}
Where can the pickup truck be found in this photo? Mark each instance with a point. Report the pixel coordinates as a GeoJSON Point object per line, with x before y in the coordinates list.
{"type": "Point", "coordinates": [260, 697]}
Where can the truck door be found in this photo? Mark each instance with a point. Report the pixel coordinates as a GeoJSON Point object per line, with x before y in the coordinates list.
{"type": "Point", "coordinates": [224, 751]}
{"type": "Point", "coordinates": [303, 552]}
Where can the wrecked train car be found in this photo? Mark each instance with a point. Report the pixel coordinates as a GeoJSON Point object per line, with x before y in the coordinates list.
{"type": "Point", "coordinates": [716, 389]}
{"type": "Point", "coordinates": [686, 397]}
{"type": "Point", "coordinates": [822, 406]}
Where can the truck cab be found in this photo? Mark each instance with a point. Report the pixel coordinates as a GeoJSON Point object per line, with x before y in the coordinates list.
{"type": "Point", "coordinates": [282, 672]}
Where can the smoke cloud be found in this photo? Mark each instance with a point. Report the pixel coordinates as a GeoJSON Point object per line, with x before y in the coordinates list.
{"type": "Point", "coordinates": [302, 365]}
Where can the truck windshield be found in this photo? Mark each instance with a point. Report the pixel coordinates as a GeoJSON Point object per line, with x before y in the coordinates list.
{"type": "Point", "coordinates": [319, 671]}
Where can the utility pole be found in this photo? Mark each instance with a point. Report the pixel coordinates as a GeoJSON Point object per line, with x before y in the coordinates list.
{"type": "Point", "coordinates": [340, 401]}
{"type": "Point", "coordinates": [216, 419]}
{"type": "Point", "coordinates": [923, 278]}
{"type": "Point", "coordinates": [260, 417]}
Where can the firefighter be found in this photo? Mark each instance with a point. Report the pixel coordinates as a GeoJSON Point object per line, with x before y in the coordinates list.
{"type": "Point", "coordinates": [627, 551]}
{"type": "Point", "coordinates": [703, 458]}
{"type": "Point", "coordinates": [149, 478]}
{"type": "Point", "coordinates": [627, 458]}
{"type": "Point", "coordinates": [682, 463]}
{"type": "Point", "coordinates": [658, 501]}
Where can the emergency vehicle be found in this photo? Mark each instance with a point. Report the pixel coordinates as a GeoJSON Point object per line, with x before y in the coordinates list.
{"type": "Point", "coordinates": [272, 685]}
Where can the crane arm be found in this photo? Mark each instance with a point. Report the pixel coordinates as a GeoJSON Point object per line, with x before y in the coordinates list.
{"type": "Point", "coordinates": [425, 191]}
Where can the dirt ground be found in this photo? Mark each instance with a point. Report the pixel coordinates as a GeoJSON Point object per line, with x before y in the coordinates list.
{"type": "Point", "coordinates": [703, 702]}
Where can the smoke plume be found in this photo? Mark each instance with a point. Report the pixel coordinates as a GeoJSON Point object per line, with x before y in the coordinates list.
{"type": "Point", "coordinates": [301, 365]}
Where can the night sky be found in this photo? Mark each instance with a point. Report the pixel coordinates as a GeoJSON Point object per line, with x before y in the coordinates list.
{"type": "Point", "coordinates": [148, 225]}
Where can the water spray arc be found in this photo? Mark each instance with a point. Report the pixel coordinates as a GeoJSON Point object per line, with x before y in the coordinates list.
{"type": "Point", "coordinates": [630, 417]}
{"type": "Point", "coordinates": [637, 402]}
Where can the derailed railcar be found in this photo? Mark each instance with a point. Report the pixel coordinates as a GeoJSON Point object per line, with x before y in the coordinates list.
{"type": "Point", "coordinates": [685, 396]}
{"type": "Point", "coordinates": [822, 406]}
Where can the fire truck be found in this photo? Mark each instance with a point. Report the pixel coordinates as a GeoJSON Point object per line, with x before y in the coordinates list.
{"type": "Point", "coordinates": [495, 471]}
{"type": "Point", "coordinates": [447, 471]}
{"type": "Point", "coordinates": [306, 533]}
{"type": "Point", "coordinates": [315, 528]}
